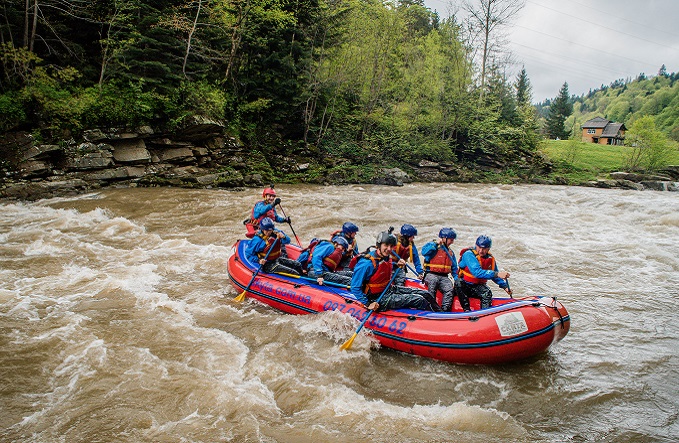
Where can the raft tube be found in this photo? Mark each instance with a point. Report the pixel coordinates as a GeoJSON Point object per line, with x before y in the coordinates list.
{"type": "Point", "coordinates": [510, 330]}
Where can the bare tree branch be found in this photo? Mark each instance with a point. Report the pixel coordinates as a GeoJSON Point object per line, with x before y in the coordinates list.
{"type": "Point", "coordinates": [485, 18]}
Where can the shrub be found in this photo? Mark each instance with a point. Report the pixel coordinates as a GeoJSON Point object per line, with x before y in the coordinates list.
{"type": "Point", "coordinates": [121, 105]}
{"type": "Point", "coordinates": [12, 113]}
{"type": "Point", "coordinates": [197, 98]}
{"type": "Point", "coordinates": [650, 148]}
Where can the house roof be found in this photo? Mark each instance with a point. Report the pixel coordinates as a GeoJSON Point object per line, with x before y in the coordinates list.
{"type": "Point", "coordinates": [611, 129]}
{"type": "Point", "coordinates": [596, 122]}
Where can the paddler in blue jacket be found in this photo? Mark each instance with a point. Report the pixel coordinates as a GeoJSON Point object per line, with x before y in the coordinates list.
{"type": "Point", "coordinates": [477, 266]}
{"type": "Point", "coordinates": [405, 248]}
{"type": "Point", "coordinates": [439, 263]}
{"type": "Point", "coordinates": [265, 249]}
{"type": "Point", "coordinates": [348, 231]}
{"type": "Point", "coordinates": [325, 260]}
{"type": "Point", "coordinates": [372, 275]}
{"type": "Point", "coordinates": [264, 208]}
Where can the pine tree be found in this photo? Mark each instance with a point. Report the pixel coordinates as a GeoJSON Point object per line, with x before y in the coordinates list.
{"type": "Point", "coordinates": [561, 108]}
{"type": "Point", "coordinates": [523, 88]}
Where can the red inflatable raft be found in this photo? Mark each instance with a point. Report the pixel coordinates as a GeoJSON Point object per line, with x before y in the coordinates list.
{"type": "Point", "coordinates": [511, 329]}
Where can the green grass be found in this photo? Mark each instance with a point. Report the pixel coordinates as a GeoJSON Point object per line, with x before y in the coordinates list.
{"type": "Point", "coordinates": [578, 162]}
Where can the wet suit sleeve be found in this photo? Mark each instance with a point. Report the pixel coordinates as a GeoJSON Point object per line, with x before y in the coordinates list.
{"type": "Point", "coordinates": [261, 208]}
{"type": "Point", "coordinates": [362, 273]}
{"type": "Point", "coordinates": [500, 282]}
{"type": "Point", "coordinates": [429, 250]}
{"type": "Point", "coordinates": [474, 267]}
{"type": "Point", "coordinates": [320, 252]}
{"type": "Point", "coordinates": [416, 261]}
{"type": "Point", "coordinates": [255, 246]}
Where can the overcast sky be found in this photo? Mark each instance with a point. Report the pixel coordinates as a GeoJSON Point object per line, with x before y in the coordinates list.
{"type": "Point", "coordinates": [588, 43]}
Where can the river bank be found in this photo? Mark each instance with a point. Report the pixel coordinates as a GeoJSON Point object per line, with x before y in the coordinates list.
{"type": "Point", "coordinates": [199, 155]}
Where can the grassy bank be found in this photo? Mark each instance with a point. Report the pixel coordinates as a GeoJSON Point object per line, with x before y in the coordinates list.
{"type": "Point", "coordinates": [577, 162]}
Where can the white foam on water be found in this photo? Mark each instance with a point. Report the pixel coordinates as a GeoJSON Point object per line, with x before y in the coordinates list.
{"type": "Point", "coordinates": [39, 248]}
{"type": "Point", "coordinates": [19, 307]}
{"type": "Point", "coordinates": [389, 419]}
{"type": "Point", "coordinates": [67, 378]}
{"type": "Point", "coordinates": [337, 325]}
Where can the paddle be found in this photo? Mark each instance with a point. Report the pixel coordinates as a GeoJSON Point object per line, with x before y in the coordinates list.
{"type": "Point", "coordinates": [431, 299]}
{"type": "Point", "coordinates": [508, 288]}
{"type": "Point", "coordinates": [347, 344]}
{"type": "Point", "coordinates": [407, 265]}
{"type": "Point", "coordinates": [326, 283]}
{"type": "Point", "coordinates": [241, 297]}
{"type": "Point", "coordinates": [290, 224]}
{"type": "Point", "coordinates": [313, 280]}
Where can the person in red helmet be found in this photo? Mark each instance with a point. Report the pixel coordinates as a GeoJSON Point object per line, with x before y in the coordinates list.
{"type": "Point", "coordinates": [264, 208]}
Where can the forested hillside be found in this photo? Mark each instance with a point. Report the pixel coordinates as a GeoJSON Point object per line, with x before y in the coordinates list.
{"type": "Point", "coordinates": [626, 101]}
{"type": "Point", "coordinates": [364, 80]}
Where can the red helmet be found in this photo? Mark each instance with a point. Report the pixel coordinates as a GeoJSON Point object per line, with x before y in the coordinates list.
{"type": "Point", "coordinates": [268, 191]}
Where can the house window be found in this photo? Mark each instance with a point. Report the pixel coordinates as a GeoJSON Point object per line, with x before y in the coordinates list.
{"type": "Point", "coordinates": [591, 131]}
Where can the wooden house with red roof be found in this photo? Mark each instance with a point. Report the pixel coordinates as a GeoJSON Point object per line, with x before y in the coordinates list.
{"type": "Point", "coordinates": [604, 132]}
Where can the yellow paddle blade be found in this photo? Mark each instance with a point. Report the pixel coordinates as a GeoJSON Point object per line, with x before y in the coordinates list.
{"type": "Point", "coordinates": [347, 344]}
{"type": "Point", "coordinates": [240, 297]}
{"type": "Point", "coordinates": [288, 275]}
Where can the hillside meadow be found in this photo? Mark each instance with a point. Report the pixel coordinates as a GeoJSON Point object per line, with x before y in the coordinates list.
{"type": "Point", "coordinates": [578, 162]}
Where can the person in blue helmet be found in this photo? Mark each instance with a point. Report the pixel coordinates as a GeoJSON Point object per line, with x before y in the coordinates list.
{"type": "Point", "coordinates": [477, 266]}
{"type": "Point", "coordinates": [348, 231]}
{"type": "Point", "coordinates": [265, 248]}
{"type": "Point", "coordinates": [324, 262]}
{"type": "Point", "coordinates": [439, 263]}
{"type": "Point", "coordinates": [372, 275]}
{"type": "Point", "coordinates": [405, 248]}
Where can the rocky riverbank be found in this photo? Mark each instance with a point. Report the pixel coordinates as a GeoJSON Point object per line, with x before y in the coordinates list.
{"type": "Point", "coordinates": [200, 155]}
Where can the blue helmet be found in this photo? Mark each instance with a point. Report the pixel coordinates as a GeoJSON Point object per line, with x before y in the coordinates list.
{"type": "Point", "coordinates": [386, 238]}
{"type": "Point", "coordinates": [349, 228]}
{"type": "Point", "coordinates": [408, 230]}
{"type": "Point", "coordinates": [266, 224]}
{"type": "Point", "coordinates": [341, 241]}
{"type": "Point", "coordinates": [447, 233]}
{"type": "Point", "coordinates": [484, 241]}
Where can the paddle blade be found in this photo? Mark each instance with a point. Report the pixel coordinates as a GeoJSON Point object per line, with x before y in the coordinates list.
{"type": "Point", "coordinates": [240, 297]}
{"type": "Point", "coordinates": [347, 344]}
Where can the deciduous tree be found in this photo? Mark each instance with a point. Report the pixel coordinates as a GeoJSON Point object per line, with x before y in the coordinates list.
{"type": "Point", "coordinates": [486, 19]}
{"type": "Point", "coordinates": [650, 148]}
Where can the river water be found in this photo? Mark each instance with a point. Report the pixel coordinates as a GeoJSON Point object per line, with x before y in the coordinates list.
{"type": "Point", "coordinates": [117, 323]}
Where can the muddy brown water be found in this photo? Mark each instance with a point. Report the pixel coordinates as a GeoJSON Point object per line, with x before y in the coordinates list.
{"type": "Point", "coordinates": [117, 323]}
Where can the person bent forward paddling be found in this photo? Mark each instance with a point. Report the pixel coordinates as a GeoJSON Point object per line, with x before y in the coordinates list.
{"type": "Point", "coordinates": [264, 242]}
{"type": "Point", "coordinates": [325, 261]}
{"type": "Point", "coordinates": [348, 232]}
